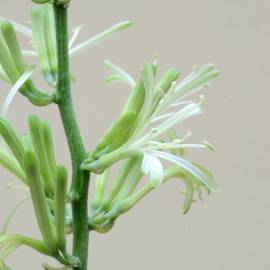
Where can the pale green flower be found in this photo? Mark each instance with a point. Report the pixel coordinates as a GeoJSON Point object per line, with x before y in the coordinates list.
{"type": "Point", "coordinates": [152, 111]}
{"type": "Point", "coordinates": [138, 140]}
{"type": "Point", "coordinates": [143, 139]}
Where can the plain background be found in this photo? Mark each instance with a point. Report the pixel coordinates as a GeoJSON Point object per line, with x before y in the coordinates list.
{"type": "Point", "coordinates": [229, 230]}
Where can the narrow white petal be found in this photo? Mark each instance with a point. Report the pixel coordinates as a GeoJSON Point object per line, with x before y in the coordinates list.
{"type": "Point", "coordinates": [162, 117]}
{"type": "Point", "coordinates": [76, 32]}
{"type": "Point", "coordinates": [19, 27]}
{"type": "Point", "coordinates": [99, 37]}
{"type": "Point", "coordinates": [190, 145]}
{"type": "Point", "coordinates": [180, 103]}
{"type": "Point", "coordinates": [197, 80]}
{"type": "Point", "coordinates": [170, 146]}
{"type": "Point", "coordinates": [189, 168]}
{"type": "Point", "coordinates": [188, 111]}
{"type": "Point", "coordinates": [14, 90]}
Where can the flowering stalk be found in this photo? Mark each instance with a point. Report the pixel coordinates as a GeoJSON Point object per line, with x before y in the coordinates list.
{"type": "Point", "coordinates": [80, 179]}
{"type": "Point", "coordinates": [140, 140]}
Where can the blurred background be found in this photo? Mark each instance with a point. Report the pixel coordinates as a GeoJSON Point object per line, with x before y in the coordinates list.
{"type": "Point", "coordinates": [228, 230]}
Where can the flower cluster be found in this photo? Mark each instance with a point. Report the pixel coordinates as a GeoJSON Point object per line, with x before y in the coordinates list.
{"type": "Point", "coordinates": [144, 136]}
{"type": "Point", "coordinates": [31, 158]}
{"type": "Point", "coordinates": [140, 140]}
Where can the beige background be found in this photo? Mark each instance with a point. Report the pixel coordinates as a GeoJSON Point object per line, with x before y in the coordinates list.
{"type": "Point", "coordinates": [233, 231]}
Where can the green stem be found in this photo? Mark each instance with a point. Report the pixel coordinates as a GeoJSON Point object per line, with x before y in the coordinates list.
{"type": "Point", "coordinates": [80, 179]}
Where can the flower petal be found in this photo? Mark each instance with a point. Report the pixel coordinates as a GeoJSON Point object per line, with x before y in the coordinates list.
{"type": "Point", "coordinates": [196, 172]}
{"type": "Point", "coordinates": [152, 166]}
{"type": "Point", "coordinates": [188, 111]}
{"type": "Point", "coordinates": [197, 80]}
{"type": "Point", "coordinates": [14, 91]}
{"type": "Point", "coordinates": [99, 37]}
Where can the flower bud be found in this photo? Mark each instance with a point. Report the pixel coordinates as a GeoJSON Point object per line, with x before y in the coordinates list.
{"type": "Point", "coordinates": [10, 54]}
{"type": "Point", "coordinates": [168, 78]}
{"type": "Point", "coordinates": [37, 138]}
{"type": "Point", "coordinates": [13, 45]}
{"type": "Point", "coordinates": [136, 99]}
{"type": "Point", "coordinates": [117, 135]}
{"type": "Point", "coordinates": [12, 139]}
{"type": "Point", "coordinates": [60, 206]}
{"type": "Point", "coordinates": [37, 191]}
{"type": "Point", "coordinates": [99, 190]}
{"type": "Point", "coordinates": [120, 132]}
{"type": "Point", "coordinates": [44, 35]}
{"type": "Point", "coordinates": [48, 142]}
